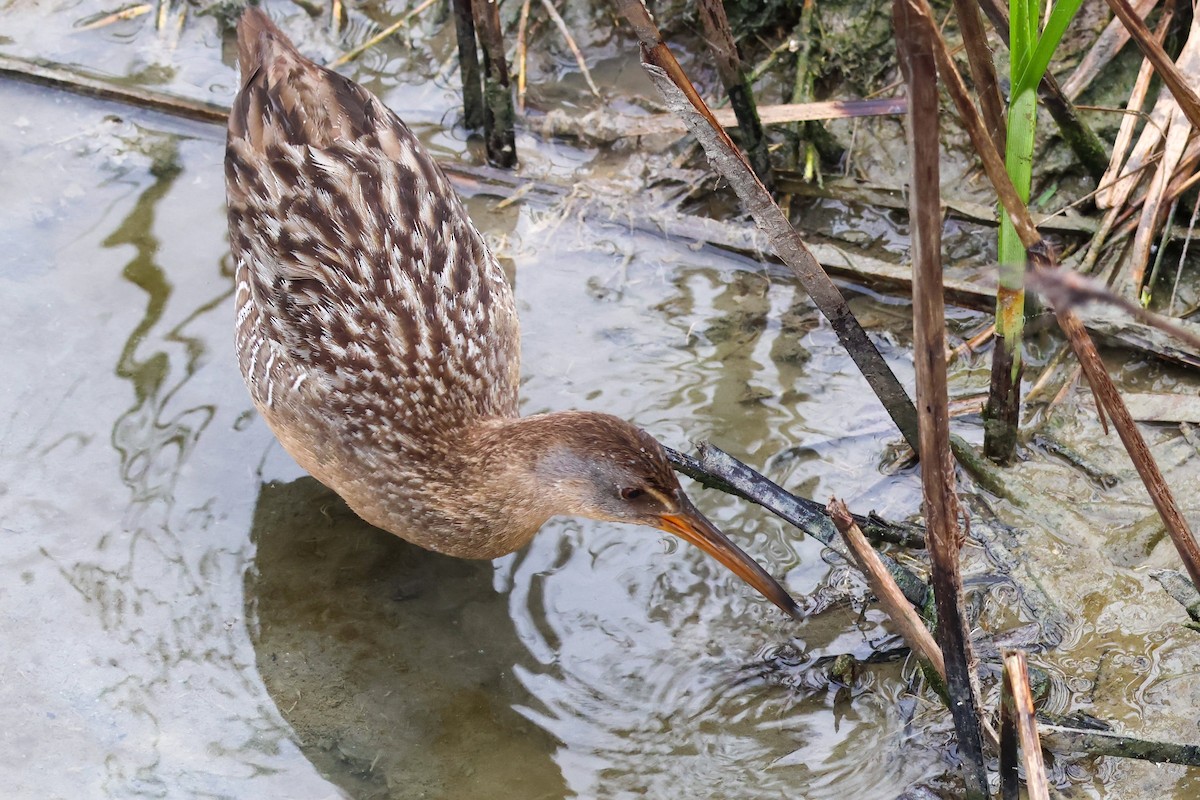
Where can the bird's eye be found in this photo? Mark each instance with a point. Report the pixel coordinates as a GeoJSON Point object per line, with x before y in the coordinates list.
{"type": "Point", "coordinates": [632, 493]}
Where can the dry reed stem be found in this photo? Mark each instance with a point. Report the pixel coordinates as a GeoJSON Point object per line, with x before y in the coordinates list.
{"type": "Point", "coordinates": [1040, 257]}
{"type": "Point", "coordinates": [682, 98]}
{"type": "Point", "coordinates": [1103, 50]}
{"type": "Point", "coordinates": [354, 53]}
{"type": "Point", "coordinates": [941, 506]}
{"type": "Point", "coordinates": [1178, 131]}
{"type": "Point", "coordinates": [898, 609]}
{"type": "Point", "coordinates": [1174, 79]}
{"type": "Point", "coordinates": [1017, 722]}
{"type": "Point", "coordinates": [983, 68]}
{"type": "Point", "coordinates": [566, 34]}
{"type": "Point", "coordinates": [1118, 182]}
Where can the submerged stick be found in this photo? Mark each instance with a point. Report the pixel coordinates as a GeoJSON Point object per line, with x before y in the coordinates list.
{"type": "Point", "coordinates": [57, 77]}
{"type": "Point", "coordinates": [941, 505]}
{"type": "Point", "coordinates": [716, 469]}
{"type": "Point", "coordinates": [1105, 743]}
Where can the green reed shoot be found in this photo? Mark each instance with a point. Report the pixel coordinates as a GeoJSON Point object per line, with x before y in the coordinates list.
{"type": "Point", "coordinates": [1030, 53]}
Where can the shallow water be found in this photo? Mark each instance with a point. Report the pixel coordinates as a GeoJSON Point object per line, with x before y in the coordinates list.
{"type": "Point", "coordinates": [188, 615]}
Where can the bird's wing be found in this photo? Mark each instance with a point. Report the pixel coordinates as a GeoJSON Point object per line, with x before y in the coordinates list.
{"type": "Point", "coordinates": [363, 266]}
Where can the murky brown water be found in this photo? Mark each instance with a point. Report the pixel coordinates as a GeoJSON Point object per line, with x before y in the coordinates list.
{"type": "Point", "coordinates": [187, 615]}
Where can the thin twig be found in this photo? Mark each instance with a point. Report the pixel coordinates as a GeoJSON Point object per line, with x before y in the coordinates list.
{"type": "Point", "coordinates": [522, 54]}
{"type": "Point", "coordinates": [354, 53]}
{"type": "Point", "coordinates": [1187, 243]}
{"type": "Point", "coordinates": [566, 34]}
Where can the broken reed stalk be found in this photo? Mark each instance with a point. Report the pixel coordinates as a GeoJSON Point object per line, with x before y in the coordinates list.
{"type": "Point", "coordinates": [983, 68]}
{"type": "Point", "coordinates": [1041, 258]}
{"type": "Point", "coordinates": [1017, 722]}
{"type": "Point", "coordinates": [1185, 96]}
{"type": "Point", "coordinates": [941, 507]}
{"type": "Point", "coordinates": [719, 37]}
{"type": "Point", "coordinates": [682, 98]}
{"type": "Point", "coordinates": [468, 65]}
{"type": "Point", "coordinates": [499, 116]}
{"type": "Point", "coordinates": [879, 578]}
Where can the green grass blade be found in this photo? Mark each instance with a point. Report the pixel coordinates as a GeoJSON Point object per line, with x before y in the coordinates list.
{"type": "Point", "coordinates": [1035, 67]}
{"type": "Point", "coordinates": [1020, 43]}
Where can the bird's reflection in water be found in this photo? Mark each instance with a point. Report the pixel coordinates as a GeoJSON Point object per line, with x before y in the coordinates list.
{"type": "Point", "coordinates": [392, 664]}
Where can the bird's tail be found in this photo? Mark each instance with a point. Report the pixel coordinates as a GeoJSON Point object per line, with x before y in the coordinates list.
{"type": "Point", "coordinates": [258, 41]}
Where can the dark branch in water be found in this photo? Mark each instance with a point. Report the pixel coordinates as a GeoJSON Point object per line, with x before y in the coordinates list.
{"type": "Point", "coordinates": [717, 469]}
{"type": "Point", "coordinates": [1105, 743]}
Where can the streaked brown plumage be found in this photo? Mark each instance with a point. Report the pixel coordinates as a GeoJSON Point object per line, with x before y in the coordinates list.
{"type": "Point", "coordinates": [378, 336]}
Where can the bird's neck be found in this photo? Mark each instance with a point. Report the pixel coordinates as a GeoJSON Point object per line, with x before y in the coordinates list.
{"type": "Point", "coordinates": [500, 480]}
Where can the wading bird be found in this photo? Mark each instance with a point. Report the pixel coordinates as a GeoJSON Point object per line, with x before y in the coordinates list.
{"type": "Point", "coordinates": [378, 335]}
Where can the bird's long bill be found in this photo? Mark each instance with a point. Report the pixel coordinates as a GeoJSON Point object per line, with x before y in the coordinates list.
{"type": "Point", "coordinates": [691, 526]}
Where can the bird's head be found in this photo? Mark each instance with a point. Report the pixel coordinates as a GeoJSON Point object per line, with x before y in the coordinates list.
{"type": "Point", "coordinates": [600, 466]}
